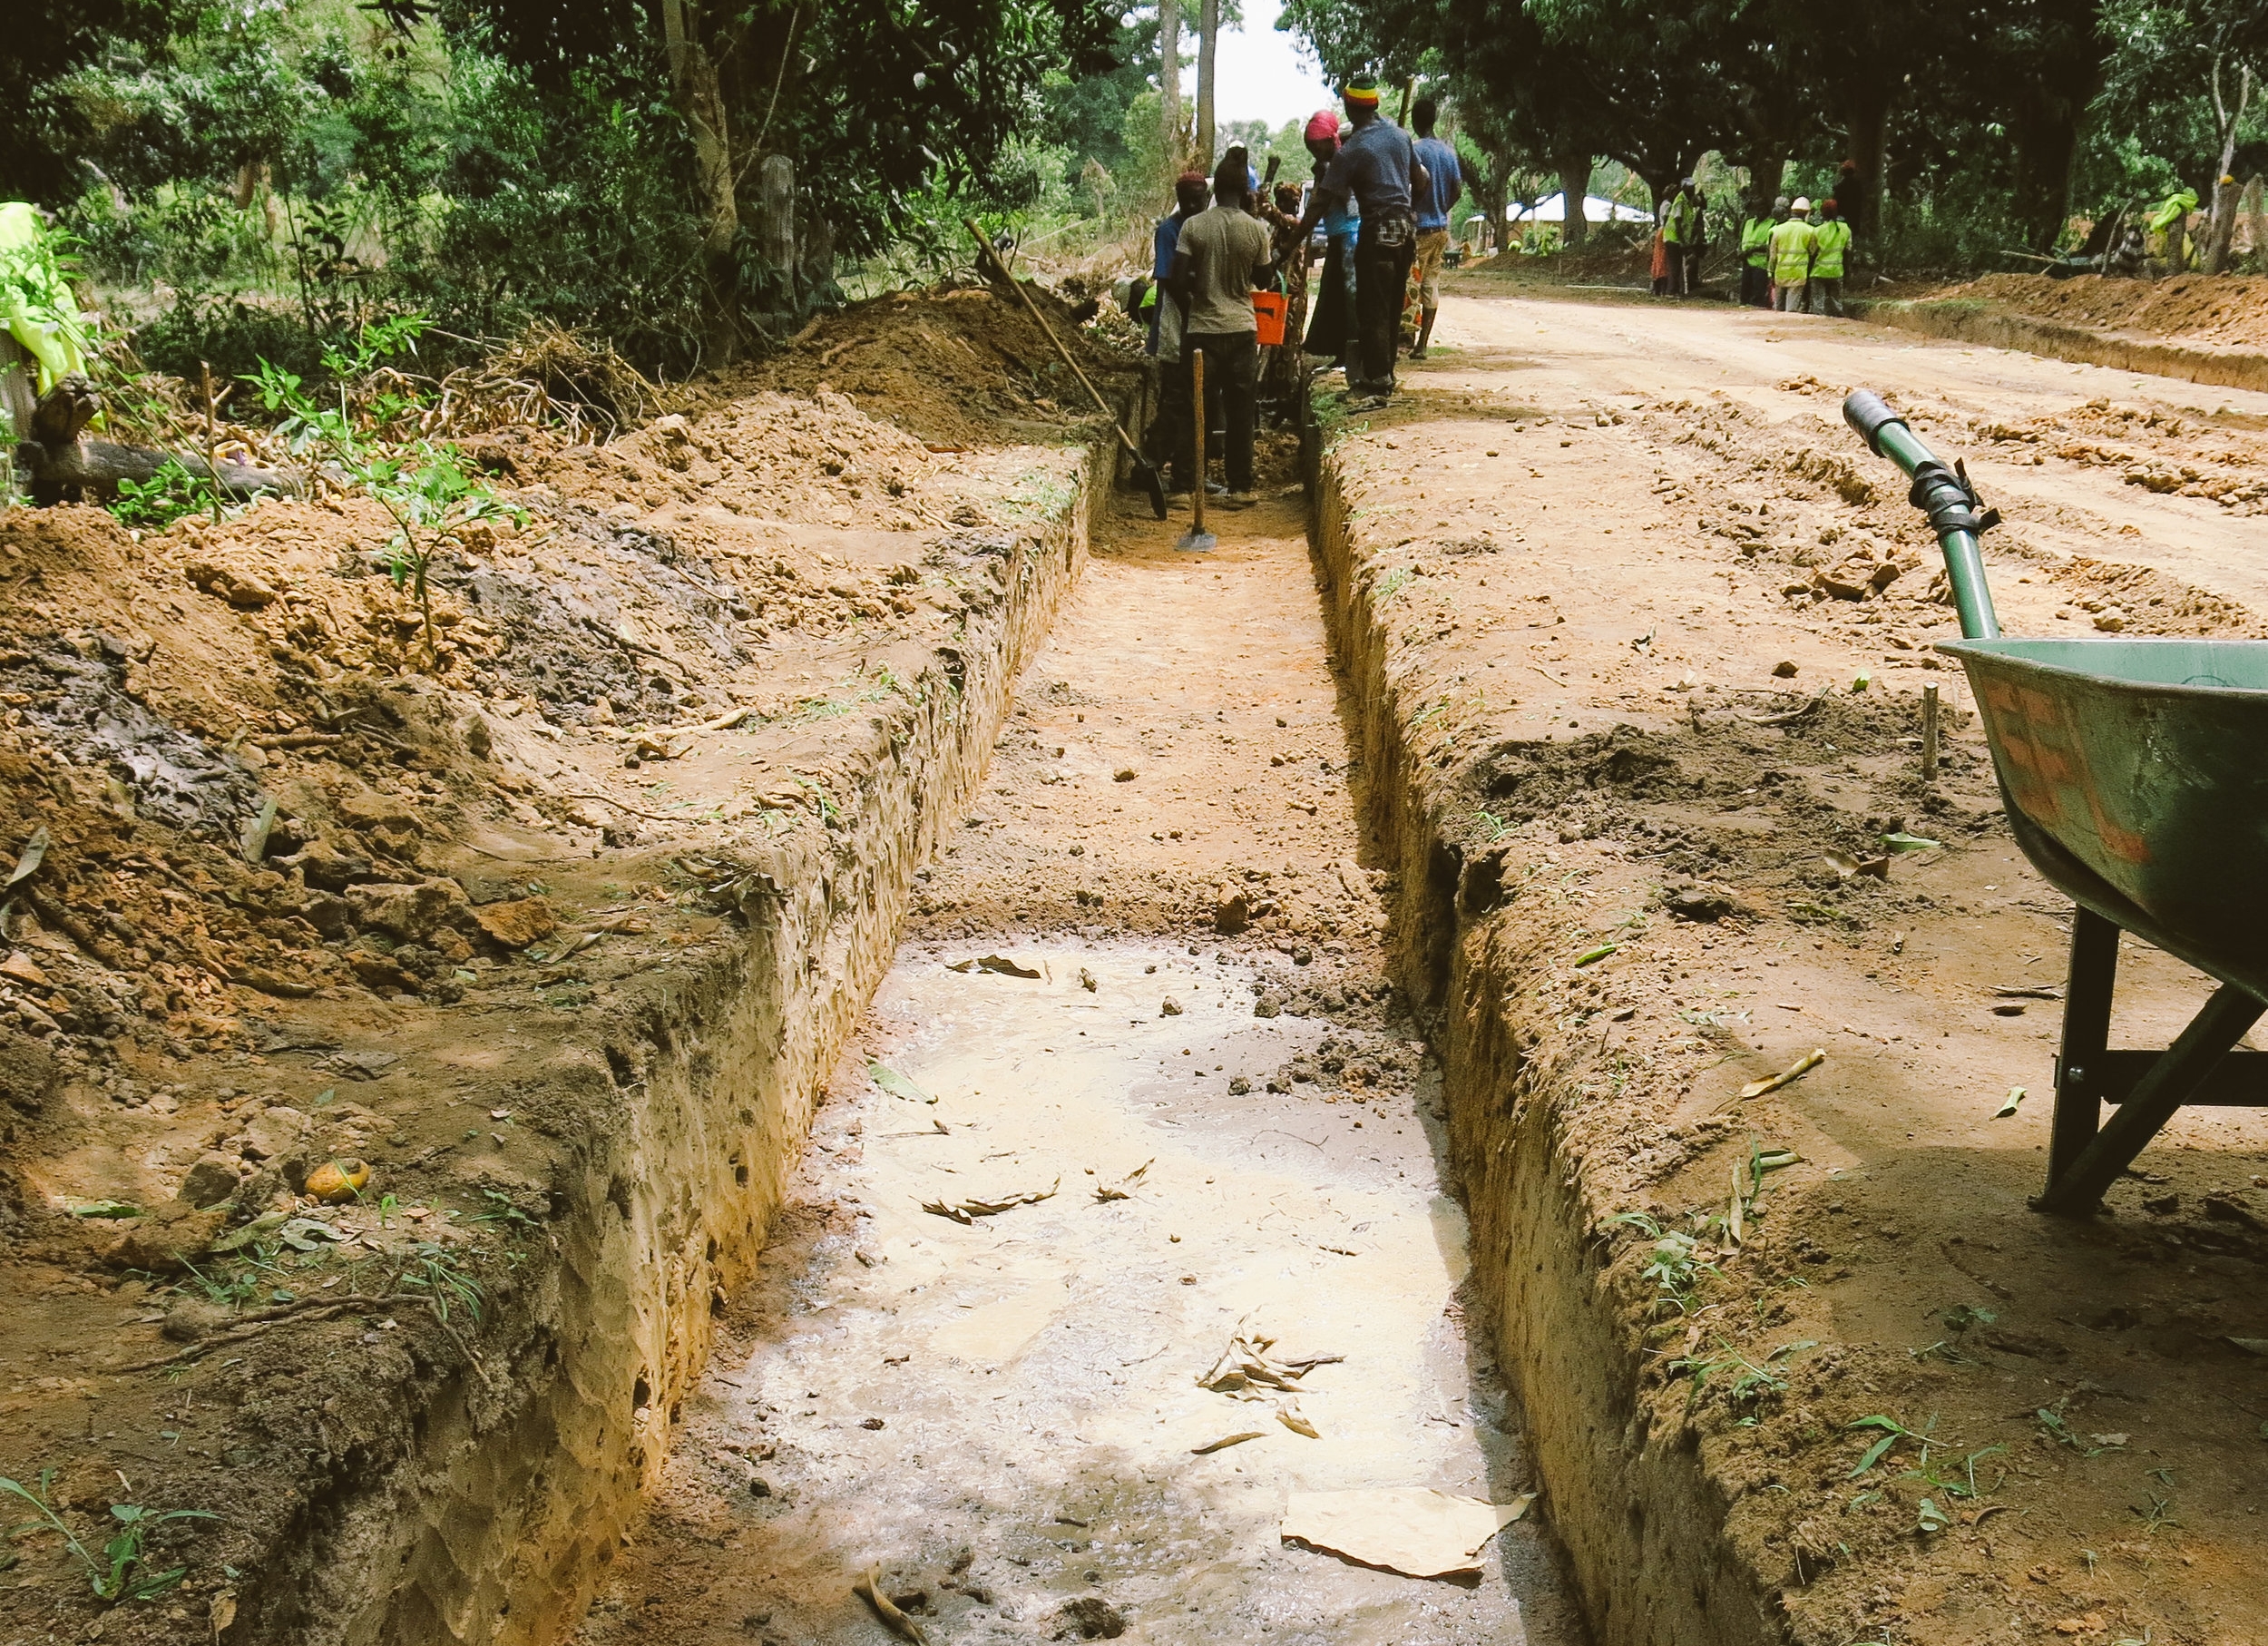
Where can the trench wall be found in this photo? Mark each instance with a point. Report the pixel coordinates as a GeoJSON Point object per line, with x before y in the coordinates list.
{"type": "Point", "coordinates": [493, 1516]}
{"type": "Point", "coordinates": [1639, 1521]}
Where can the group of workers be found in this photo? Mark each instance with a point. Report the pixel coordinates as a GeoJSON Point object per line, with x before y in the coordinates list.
{"type": "Point", "coordinates": [1788, 262]}
{"type": "Point", "coordinates": [1382, 197]}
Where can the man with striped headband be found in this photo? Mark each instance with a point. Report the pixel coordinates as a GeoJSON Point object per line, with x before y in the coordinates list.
{"type": "Point", "coordinates": [1378, 166]}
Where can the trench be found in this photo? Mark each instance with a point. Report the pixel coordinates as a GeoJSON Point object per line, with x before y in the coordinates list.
{"type": "Point", "coordinates": [1224, 1130]}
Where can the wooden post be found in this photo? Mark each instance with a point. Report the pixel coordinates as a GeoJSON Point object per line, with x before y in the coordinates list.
{"type": "Point", "coordinates": [213, 446]}
{"type": "Point", "coordinates": [2223, 226]}
{"type": "Point", "coordinates": [776, 182]}
{"type": "Point", "coordinates": [1204, 429]}
{"type": "Point", "coordinates": [1929, 734]}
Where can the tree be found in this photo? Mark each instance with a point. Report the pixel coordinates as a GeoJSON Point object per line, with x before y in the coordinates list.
{"type": "Point", "coordinates": [874, 103]}
{"type": "Point", "coordinates": [44, 131]}
{"type": "Point", "coordinates": [2208, 53]}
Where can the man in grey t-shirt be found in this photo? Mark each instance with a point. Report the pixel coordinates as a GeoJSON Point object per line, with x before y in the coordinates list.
{"type": "Point", "coordinates": [1222, 255]}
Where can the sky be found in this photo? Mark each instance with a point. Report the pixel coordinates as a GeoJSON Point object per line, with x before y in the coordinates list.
{"type": "Point", "coordinates": [1262, 72]}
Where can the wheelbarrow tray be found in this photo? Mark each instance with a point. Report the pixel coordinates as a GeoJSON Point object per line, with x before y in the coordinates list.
{"type": "Point", "coordinates": [2134, 772]}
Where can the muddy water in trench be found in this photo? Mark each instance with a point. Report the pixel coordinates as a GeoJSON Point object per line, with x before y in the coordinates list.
{"type": "Point", "coordinates": [1003, 1416]}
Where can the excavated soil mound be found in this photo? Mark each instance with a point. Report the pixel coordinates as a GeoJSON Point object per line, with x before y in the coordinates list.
{"type": "Point", "coordinates": [2230, 310]}
{"type": "Point", "coordinates": [273, 850]}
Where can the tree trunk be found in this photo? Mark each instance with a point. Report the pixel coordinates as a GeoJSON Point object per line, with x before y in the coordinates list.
{"type": "Point", "coordinates": [1574, 192]}
{"type": "Point", "coordinates": [2256, 222]}
{"type": "Point", "coordinates": [2224, 197]}
{"type": "Point", "coordinates": [700, 100]}
{"type": "Point", "coordinates": [90, 470]}
{"type": "Point", "coordinates": [814, 262]}
{"type": "Point", "coordinates": [1210, 24]}
{"type": "Point", "coordinates": [2062, 79]}
{"type": "Point", "coordinates": [1170, 84]}
{"type": "Point", "coordinates": [1870, 146]}
{"type": "Point", "coordinates": [2178, 245]}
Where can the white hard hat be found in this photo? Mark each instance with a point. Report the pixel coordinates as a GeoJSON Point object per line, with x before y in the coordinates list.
{"type": "Point", "coordinates": [1801, 205]}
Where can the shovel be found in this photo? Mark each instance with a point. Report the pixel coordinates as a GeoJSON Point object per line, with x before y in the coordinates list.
{"type": "Point", "coordinates": [1197, 539]}
{"type": "Point", "coordinates": [1145, 471]}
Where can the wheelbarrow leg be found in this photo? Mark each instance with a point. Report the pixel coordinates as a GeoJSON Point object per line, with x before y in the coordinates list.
{"type": "Point", "coordinates": [2171, 1082]}
{"type": "Point", "coordinates": [2087, 997]}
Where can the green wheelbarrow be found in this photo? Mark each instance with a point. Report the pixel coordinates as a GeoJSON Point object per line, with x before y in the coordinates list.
{"type": "Point", "coordinates": [2134, 774]}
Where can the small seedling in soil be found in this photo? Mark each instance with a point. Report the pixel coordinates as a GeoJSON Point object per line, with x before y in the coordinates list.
{"type": "Point", "coordinates": [116, 1576]}
{"type": "Point", "coordinates": [2052, 1425]}
{"type": "Point", "coordinates": [1893, 1432]}
{"type": "Point", "coordinates": [440, 1282]}
{"type": "Point", "coordinates": [1676, 1267]}
{"type": "Point", "coordinates": [1753, 1382]}
{"type": "Point", "coordinates": [1962, 1481]}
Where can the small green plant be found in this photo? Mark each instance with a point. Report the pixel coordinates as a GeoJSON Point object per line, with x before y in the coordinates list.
{"type": "Point", "coordinates": [420, 482]}
{"type": "Point", "coordinates": [168, 495]}
{"type": "Point", "coordinates": [1497, 828]}
{"type": "Point", "coordinates": [819, 797]}
{"type": "Point", "coordinates": [1754, 1380]}
{"type": "Point", "coordinates": [1391, 585]}
{"type": "Point", "coordinates": [1891, 1433]}
{"type": "Point", "coordinates": [434, 1276]}
{"type": "Point", "coordinates": [2051, 1424]}
{"type": "Point", "coordinates": [502, 1210]}
{"type": "Point", "coordinates": [1960, 1481]}
{"type": "Point", "coordinates": [1676, 1267]}
{"type": "Point", "coordinates": [117, 1577]}
{"type": "Point", "coordinates": [2159, 1514]}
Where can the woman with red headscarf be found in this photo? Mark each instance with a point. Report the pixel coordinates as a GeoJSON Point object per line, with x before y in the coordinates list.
{"type": "Point", "coordinates": [1333, 331]}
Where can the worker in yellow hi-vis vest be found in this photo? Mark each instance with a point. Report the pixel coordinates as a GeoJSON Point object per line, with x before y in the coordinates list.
{"type": "Point", "coordinates": [1790, 250]}
{"type": "Point", "coordinates": [1677, 235]}
{"type": "Point", "coordinates": [1756, 245]}
{"type": "Point", "coordinates": [1831, 240]}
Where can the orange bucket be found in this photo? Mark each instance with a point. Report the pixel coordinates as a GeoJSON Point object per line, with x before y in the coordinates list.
{"type": "Point", "coordinates": [1268, 309]}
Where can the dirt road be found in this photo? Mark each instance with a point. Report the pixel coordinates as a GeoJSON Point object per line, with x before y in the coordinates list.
{"type": "Point", "coordinates": [1005, 1416]}
{"type": "Point", "coordinates": [2074, 475]}
{"type": "Point", "coordinates": [1645, 630]}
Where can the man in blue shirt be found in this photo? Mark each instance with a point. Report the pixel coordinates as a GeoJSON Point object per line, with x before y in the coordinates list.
{"type": "Point", "coordinates": [1188, 200]}
{"type": "Point", "coordinates": [1379, 168]}
{"type": "Point", "coordinates": [1446, 183]}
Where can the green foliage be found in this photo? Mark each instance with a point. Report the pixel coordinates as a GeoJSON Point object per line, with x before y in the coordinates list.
{"type": "Point", "coordinates": [120, 1574]}
{"type": "Point", "coordinates": [166, 496]}
{"type": "Point", "coordinates": [1675, 1265]}
{"type": "Point", "coordinates": [36, 305]}
{"type": "Point", "coordinates": [435, 1275]}
{"type": "Point", "coordinates": [420, 482]}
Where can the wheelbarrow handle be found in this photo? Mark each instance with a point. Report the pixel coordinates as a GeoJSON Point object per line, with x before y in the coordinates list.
{"type": "Point", "coordinates": [1955, 512]}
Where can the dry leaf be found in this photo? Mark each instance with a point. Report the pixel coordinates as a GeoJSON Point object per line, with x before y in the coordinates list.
{"type": "Point", "coordinates": [1795, 1070]}
{"type": "Point", "coordinates": [1226, 1441]}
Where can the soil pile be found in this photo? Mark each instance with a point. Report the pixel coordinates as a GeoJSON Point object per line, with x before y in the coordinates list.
{"type": "Point", "coordinates": [2228, 309]}
{"type": "Point", "coordinates": [271, 845]}
{"type": "Point", "coordinates": [953, 368]}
